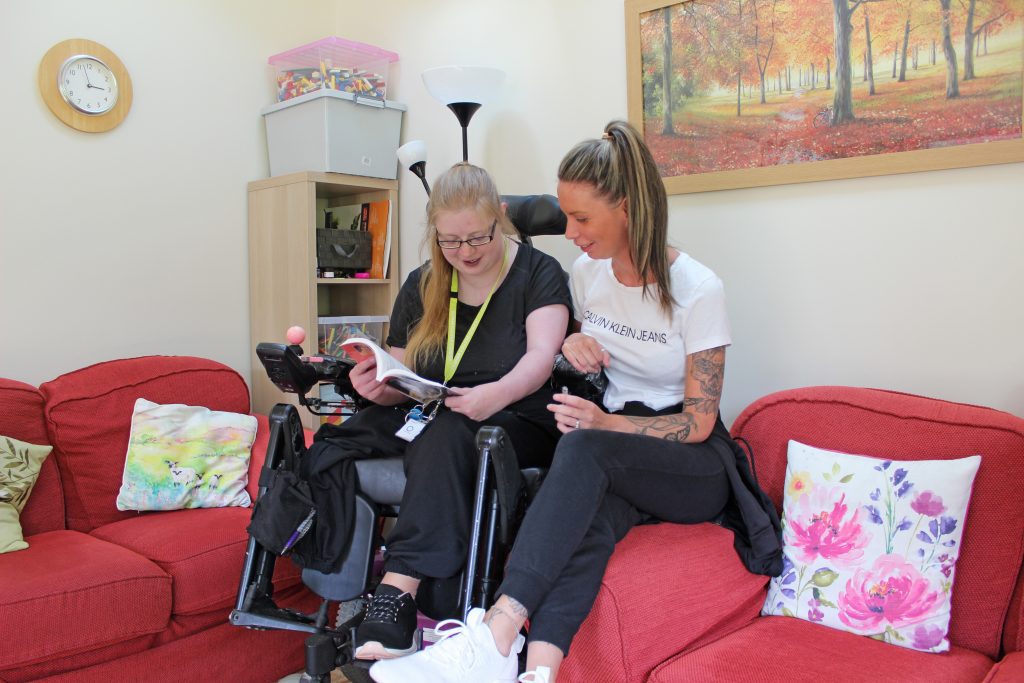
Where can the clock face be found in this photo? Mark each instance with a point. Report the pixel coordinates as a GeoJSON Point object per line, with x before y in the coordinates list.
{"type": "Point", "coordinates": [87, 84]}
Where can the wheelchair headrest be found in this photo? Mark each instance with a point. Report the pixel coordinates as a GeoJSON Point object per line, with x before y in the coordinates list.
{"type": "Point", "coordinates": [535, 214]}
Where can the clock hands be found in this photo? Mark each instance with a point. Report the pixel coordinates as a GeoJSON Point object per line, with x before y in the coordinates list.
{"type": "Point", "coordinates": [88, 83]}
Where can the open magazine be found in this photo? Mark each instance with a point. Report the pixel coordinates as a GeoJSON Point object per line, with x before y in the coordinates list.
{"type": "Point", "coordinates": [393, 373]}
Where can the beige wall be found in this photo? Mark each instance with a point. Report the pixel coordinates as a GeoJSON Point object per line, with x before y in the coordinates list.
{"type": "Point", "coordinates": [908, 282]}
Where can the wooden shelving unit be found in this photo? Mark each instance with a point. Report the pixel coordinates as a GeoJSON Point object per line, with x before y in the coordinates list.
{"type": "Point", "coordinates": [283, 287]}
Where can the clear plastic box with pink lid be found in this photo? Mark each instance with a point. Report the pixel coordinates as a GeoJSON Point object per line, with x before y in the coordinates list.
{"type": "Point", "coordinates": [333, 63]}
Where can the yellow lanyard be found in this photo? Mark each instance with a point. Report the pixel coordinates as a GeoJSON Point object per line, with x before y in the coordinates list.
{"type": "Point", "coordinates": [451, 358]}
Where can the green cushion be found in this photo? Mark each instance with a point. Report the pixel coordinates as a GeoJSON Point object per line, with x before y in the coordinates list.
{"type": "Point", "coordinates": [19, 468]}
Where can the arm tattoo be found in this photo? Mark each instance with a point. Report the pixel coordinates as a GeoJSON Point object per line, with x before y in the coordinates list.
{"type": "Point", "coordinates": [666, 427]}
{"type": "Point", "coordinates": [708, 369]}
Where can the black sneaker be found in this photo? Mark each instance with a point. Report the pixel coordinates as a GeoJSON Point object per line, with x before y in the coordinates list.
{"type": "Point", "coordinates": [389, 627]}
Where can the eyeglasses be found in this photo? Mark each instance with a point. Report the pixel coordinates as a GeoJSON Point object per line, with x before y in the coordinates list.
{"type": "Point", "coordinates": [478, 241]}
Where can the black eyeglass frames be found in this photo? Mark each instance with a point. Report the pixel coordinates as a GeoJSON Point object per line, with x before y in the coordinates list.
{"type": "Point", "coordinates": [478, 241]}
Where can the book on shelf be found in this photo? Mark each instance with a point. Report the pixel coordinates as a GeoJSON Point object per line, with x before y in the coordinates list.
{"type": "Point", "coordinates": [394, 373]}
{"type": "Point", "coordinates": [364, 216]}
{"type": "Point", "coordinates": [379, 225]}
{"type": "Point", "coordinates": [332, 331]}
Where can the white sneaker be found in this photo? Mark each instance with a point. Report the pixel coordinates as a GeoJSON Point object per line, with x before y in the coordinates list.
{"type": "Point", "coordinates": [541, 674]}
{"type": "Point", "coordinates": [466, 653]}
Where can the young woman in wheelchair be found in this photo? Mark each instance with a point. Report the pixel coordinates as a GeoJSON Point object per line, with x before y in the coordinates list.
{"type": "Point", "coordinates": [486, 316]}
{"type": "Point", "coordinates": [654, 320]}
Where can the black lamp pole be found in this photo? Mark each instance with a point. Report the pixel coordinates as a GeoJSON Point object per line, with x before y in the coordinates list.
{"type": "Point", "coordinates": [464, 112]}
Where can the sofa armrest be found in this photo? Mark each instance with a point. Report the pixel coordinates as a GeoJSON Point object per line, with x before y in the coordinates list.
{"type": "Point", "coordinates": [668, 588]}
{"type": "Point", "coordinates": [1007, 670]}
{"type": "Point", "coordinates": [259, 452]}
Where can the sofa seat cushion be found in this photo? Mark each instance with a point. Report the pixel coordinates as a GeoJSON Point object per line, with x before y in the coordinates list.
{"type": "Point", "coordinates": [202, 550]}
{"type": "Point", "coordinates": [69, 592]}
{"type": "Point", "coordinates": [783, 649]}
{"type": "Point", "coordinates": [667, 587]}
{"type": "Point", "coordinates": [89, 417]}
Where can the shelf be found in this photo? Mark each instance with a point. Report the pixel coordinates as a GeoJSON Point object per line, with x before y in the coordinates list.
{"type": "Point", "coordinates": [352, 281]}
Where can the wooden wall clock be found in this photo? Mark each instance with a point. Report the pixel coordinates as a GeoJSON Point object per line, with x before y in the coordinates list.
{"type": "Point", "coordinates": [85, 85]}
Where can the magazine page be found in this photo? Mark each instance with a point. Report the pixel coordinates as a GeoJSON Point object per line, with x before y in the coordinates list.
{"type": "Point", "coordinates": [394, 372]}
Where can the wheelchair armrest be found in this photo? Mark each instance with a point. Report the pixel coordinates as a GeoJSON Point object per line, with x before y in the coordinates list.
{"type": "Point", "coordinates": [533, 477]}
{"type": "Point", "coordinates": [508, 480]}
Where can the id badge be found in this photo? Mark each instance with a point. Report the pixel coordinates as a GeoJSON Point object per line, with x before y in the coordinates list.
{"type": "Point", "coordinates": [411, 429]}
{"type": "Point", "coordinates": [417, 420]}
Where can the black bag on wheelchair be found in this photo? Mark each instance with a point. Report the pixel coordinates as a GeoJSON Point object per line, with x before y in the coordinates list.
{"type": "Point", "coordinates": [284, 514]}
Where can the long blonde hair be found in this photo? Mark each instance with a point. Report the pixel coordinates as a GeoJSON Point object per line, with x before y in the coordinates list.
{"type": "Point", "coordinates": [463, 186]}
{"type": "Point", "coordinates": [620, 166]}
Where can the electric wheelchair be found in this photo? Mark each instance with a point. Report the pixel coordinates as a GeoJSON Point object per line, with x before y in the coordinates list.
{"type": "Point", "coordinates": [501, 494]}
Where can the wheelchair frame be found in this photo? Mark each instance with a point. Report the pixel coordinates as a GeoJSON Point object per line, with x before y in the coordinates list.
{"type": "Point", "coordinates": [501, 490]}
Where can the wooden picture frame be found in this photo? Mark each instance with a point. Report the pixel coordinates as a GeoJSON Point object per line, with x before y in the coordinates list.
{"type": "Point", "coordinates": [703, 146]}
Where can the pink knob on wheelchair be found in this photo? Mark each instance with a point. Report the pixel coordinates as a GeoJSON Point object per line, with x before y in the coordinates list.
{"type": "Point", "coordinates": [295, 335]}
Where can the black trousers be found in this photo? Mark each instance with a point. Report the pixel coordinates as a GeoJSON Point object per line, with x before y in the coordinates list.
{"type": "Point", "coordinates": [600, 485]}
{"type": "Point", "coordinates": [431, 535]}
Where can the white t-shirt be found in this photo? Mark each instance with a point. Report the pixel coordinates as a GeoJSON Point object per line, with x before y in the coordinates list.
{"type": "Point", "coordinates": [648, 350]}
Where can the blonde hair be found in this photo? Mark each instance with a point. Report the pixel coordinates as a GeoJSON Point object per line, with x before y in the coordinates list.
{"type": "Point", "coordinates": [619, 166]}
{"type": "Point", "coordinates": [463, 186]}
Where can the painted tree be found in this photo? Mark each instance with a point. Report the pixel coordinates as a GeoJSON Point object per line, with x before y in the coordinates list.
{"type": "Point", "coordinates": [681, 58]}
{"type": "Point", "coordinates": [869, 67]}
{"type": "Point", "coordinates": [996, 11]}
{"type": "Point", "coordinates": [952, 84]}
{"type": "Point", "coordinates": [766, 21]}
{"type": "Point", "coordinates": [913, 17]}
{"type": "Point", "coordinates": [842, 101]}
{"type": "Point", "coordinates": [666, 72]}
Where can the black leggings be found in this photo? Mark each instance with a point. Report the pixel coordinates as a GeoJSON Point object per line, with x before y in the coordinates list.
{"type": "Point", "coordinates": [600, 485]}
{"type": "Point", "coordinates": [431, 536]}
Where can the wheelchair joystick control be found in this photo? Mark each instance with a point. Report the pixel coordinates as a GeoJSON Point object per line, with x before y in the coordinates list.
{"type": "Point", "coordinates": [295, 335]}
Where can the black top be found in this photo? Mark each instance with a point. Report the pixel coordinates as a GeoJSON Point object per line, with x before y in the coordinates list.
{"type": "Point", "coordinates": [535, 280]}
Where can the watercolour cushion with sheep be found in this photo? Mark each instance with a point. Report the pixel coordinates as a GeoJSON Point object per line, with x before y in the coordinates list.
{"type": "Point", "coordinates": [871, 545]}
{"type": "Point", "coordinates": [186, 457]}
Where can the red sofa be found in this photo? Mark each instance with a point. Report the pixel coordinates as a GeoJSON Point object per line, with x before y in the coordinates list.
{"type": "Point", "coordinates": [676, 605]}
{"type": "Point", "coordinates": [103, 595]}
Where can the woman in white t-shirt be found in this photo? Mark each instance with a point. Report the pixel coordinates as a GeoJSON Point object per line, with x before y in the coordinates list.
{"type": "Point", "coordinates": [654, 319]}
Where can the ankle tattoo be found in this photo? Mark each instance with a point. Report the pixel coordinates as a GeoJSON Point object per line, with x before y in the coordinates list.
{"type": "Point", "coordinates": [496, 611]}
{"type": "Point", "coordinates": [517, 607]}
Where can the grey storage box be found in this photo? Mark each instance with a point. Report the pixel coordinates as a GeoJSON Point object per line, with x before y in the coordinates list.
{"type": "Point", "coordinates": [334, 131]}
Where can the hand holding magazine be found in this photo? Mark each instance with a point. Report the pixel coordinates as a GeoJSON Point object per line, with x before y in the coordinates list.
{"type": "Point", "coordinates": [393, 373]}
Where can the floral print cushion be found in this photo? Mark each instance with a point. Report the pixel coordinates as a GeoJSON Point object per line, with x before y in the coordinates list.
{"type": "Point", "coordinates": [871, 545]}
{"type": "Point", "coordinates": [183, 456]}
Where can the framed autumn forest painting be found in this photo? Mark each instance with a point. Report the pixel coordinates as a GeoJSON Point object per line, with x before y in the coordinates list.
{"type": "Point", "coordinates": [743, 93]}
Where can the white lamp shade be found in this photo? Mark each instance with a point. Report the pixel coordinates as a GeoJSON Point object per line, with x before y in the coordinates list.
{"type": "Point", "coordinates": [412, 152]}
{"type": "Point", "coordinates": [448, 84]}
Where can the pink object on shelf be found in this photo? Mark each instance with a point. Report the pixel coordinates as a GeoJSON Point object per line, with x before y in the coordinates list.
{"type": "Point", "coordinates": [362, 276]}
